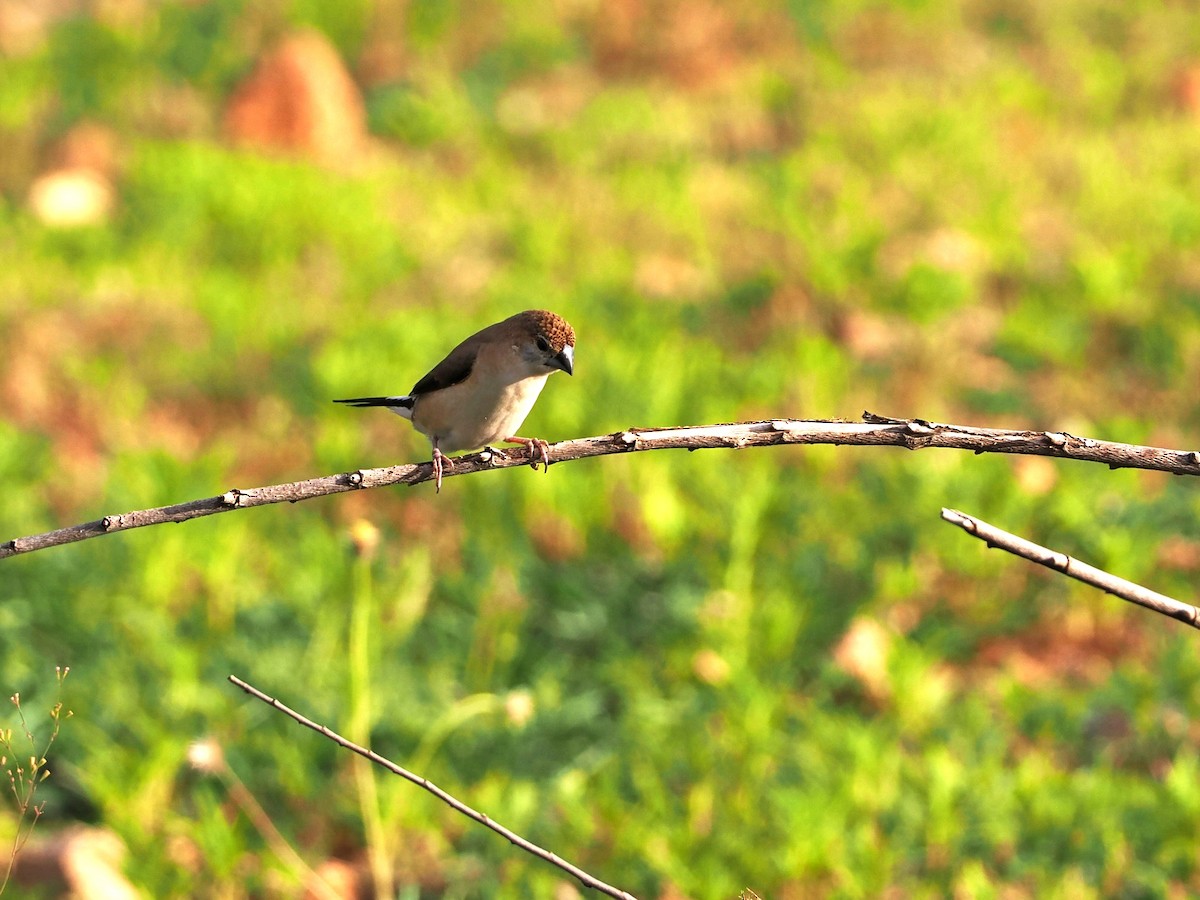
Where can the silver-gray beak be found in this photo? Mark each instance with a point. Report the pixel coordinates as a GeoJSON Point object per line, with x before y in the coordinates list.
{"type": "Point", "coordinates": [565, 360]}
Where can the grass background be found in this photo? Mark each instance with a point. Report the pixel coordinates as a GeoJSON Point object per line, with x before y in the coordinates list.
{"type": "Point", "coordinates": [984, 211]}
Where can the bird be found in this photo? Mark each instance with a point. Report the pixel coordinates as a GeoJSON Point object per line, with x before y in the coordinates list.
{"type": "Point", "coordinates": [485, 387]}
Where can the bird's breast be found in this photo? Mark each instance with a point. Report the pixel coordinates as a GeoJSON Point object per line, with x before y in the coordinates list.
{"type": "Point", "coordinates": [472, 414]}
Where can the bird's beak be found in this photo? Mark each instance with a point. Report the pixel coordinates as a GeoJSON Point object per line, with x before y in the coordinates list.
{"type": "Point", "coordinates": [565, 360]}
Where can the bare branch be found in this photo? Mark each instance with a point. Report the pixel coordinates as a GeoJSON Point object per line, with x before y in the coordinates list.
{"type": "Point", "coordinates": [914, 434]}
{"type": "Point", "coordinates": [583, 877]}
{"type": "Point", "coordinates": [1060, 562]}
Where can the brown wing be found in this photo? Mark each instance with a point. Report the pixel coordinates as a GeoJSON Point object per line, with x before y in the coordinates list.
{"type": "Point", "coordinates": [455, 367]}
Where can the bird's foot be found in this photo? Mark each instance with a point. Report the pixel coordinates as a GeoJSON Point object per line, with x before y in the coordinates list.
{"type": "Point", "coordinates": [441, 462]}
{"type": "Point", "coordinates": [539, 450]}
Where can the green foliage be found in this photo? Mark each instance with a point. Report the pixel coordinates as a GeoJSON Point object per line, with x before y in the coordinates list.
{"type": "Point", "coordinates": [984, 213]}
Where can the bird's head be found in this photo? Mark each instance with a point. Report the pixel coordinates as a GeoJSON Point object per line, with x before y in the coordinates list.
{"type": "Point", "coordinates": [547, 341]}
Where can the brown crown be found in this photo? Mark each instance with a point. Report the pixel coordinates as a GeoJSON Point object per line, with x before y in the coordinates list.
{"type": "Point", "coordinates": [552, 326]}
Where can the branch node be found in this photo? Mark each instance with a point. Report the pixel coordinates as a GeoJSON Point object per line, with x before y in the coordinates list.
{"type": "Point", "coordinates": [355, 478]}
{"type": "Point", "coordinates": [917, 434]}
{"type": "Point", "coordinates": [108, 523]}
{"type": "Point", "coordinates": [1194, 457]}
{"type": "Point", "coordinates": [1056, 439]}
{"type": "Point", "coordinates": [627, 438]}
{"type": "Point", "coordinates": [232, 498]}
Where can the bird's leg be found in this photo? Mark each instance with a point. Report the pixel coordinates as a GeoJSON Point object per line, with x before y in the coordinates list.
{"type": "Point", "coordinates": [441, 462]}
{"type": "Point", "coordinates": [534, 446]}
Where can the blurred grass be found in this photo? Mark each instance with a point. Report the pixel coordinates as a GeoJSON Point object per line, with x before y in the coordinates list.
{"type": "Point", "coordinates": [983, 212]}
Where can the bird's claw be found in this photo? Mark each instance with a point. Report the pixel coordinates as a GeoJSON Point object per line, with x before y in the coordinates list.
{"type": "Point", "coordinates": [441, 462]}
{"type": "Point", "coordinates": [539, 451]}
{"type": "Point", "coordinates": [544, 451]}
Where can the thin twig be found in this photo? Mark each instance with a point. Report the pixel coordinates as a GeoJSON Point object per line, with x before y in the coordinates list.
{"type": "Point", "coordinates": [583, 877]}
{"type": "Point", "coordinates": [914, 434]}
{"type": "Point", "coordinates": [1060, 562]}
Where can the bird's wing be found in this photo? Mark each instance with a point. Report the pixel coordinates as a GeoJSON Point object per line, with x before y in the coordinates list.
{"type": "Point", "coordinates": [456, 367]}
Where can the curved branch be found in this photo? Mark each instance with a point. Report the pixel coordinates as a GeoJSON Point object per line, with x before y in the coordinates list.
{"type": "Point", "coordinates": [1073, 568]}
{"type": "Point", "coordinates": [914, 434]}
{"type": "Point", "coordinates": [584, 878]}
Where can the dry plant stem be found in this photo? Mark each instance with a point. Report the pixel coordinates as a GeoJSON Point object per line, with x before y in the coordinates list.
{"type": "Point", "coordinates": [1060, 562]}
{"type": "Point", "coordinates": [913, 434]}
{"type": "Point", "coordinates": [574, 871]}
{"type": "Point", "coordinates": [313, 882]}
{"type": "Point", "coordinates": [24, 784]}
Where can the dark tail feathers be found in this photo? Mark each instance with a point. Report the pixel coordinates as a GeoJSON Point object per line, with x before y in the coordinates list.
{"type": "Point", "coordinates": [405, 402]}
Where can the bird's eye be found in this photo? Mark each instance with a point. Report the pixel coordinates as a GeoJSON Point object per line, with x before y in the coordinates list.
{"type": "Point", "coordinates": [543, 344]}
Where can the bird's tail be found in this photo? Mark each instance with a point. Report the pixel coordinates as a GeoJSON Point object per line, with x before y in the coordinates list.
{"type": "Point", "coordinates": [401, 406]}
